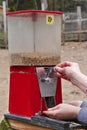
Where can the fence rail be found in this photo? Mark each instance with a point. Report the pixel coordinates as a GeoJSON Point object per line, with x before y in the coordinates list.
{"type": "Point", "coordinates": [74, 28]}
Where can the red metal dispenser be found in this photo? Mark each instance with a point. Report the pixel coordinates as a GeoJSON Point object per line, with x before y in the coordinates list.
{"type": "Point", "coordinates": [34, 39]}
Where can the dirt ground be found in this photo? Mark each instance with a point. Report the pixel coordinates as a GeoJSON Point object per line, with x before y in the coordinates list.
{"type": "Point", "coordinates": [69, 51]}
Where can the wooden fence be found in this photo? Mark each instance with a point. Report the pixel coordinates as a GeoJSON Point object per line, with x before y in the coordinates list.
{"type": "Point", "coordinates": [74, 26]}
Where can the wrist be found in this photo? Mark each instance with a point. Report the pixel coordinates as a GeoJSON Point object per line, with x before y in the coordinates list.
{"type": "Point", "coordinates": [76, 112]}
{"type": "Point", "coordinates": [75, 77]}
{"type": "Point", "coordinates": [80, 80]}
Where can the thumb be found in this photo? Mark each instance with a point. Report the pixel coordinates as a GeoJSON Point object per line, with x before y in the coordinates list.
{"type": "Point", "coordinates": [59, 70]}
{"type": "Point", "coordinates": [48, 113]}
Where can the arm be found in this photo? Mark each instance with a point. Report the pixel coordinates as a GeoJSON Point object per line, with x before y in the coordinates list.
{"type": "Point", "coordinates": [63, 112]}
{"type": "Point", "coordinates": [68, 112]}
{"type": "Point", "coordinates": [80, 80]}
{"type": "Point", "coordinates": [70, 71]}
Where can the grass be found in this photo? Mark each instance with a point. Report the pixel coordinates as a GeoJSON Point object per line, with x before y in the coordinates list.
{"type": "Point", "coordinates": [2, 41]}
{"type": "Point", "coordinates": [4, 125]}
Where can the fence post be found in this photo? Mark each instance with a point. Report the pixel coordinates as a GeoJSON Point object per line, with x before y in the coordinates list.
{"type": "Point", "coordinates": [63, 29]}
{"type": "Point", "coordinates": [44, 4]}
{"type": "Point", "coordinates": [79, 19]}
{"type": "Point", "coordinates": [4, 20]}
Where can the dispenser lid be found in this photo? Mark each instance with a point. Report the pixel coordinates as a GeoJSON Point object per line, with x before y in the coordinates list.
{"type": "Point", "coordinates": [22, 12]}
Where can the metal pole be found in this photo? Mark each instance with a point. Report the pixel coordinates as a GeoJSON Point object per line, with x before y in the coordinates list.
{"type": "Point", "coordinates": [63, 24]}
{"type": "Point", "coordinates": [79, 21]}
{"type": "Point", "coordinates": [44, 4]}
{"type": "Point", "coordinates": [36, 6]}
{"type": "Point", "coordinates": [55, 5]}
{"type": "Point", "coordinates": [4, 20]}
{"type": "Point", "coordinates": [62, 5]}
{"type": "Point", "coordinates": [7, 3]}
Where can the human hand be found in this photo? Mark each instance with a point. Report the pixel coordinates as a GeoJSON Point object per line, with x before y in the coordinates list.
{"type": "Point", "coordinates": [76, 103]}
{"type": "Point", "coordinates": [63, 112]}
{"type": "Point", "coordinates": [67, 70]}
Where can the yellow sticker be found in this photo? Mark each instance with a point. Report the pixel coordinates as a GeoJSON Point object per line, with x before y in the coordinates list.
{"type": "Point", "coordinates": [49, 19]}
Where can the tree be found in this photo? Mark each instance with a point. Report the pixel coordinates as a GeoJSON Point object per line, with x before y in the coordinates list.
{"type": "Point", "coordinates": [1, 2]}
{"type": "Point", "coordinates": [61, 5]}
{"type": "Point", "coordinates": [23, 5]}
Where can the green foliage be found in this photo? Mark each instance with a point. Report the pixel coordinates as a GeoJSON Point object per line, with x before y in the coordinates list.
{"type": "Point", "coordinates": [69, 5]}
{"type": "Point", "coordinates": [4, 125]}
{"type": "Point", "coordinates": [65, 5]}
{"type": "Point", "coordinates": [1, 2]}
{"type": "Point", "coordinates": [23, 4]}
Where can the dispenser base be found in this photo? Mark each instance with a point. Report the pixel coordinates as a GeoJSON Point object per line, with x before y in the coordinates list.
{"type": "Point", "coordinates": [40, 123]}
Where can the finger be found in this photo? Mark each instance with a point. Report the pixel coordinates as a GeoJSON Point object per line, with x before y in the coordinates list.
{"type": "Point", "coordinates": [52, 114]}
{"type": "Point", "coordinates": [53, 108]}
{"type": "Point", "coordinates": [48, 113]}
{"type": "Point", "coordinates": [64, 64]}
{"type": "Point", "coordinates": [59, 70]}
{"type": "Point", "coordinates": [57, 73]}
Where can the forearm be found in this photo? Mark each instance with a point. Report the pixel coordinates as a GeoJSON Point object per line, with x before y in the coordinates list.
{"type": "Point", "coordinates": [80, 80]}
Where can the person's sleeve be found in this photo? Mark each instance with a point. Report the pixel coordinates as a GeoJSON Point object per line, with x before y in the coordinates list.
{"type": "Point", "coordinates": [82, 116]}
{"type": "Point", "coordinates": [84, 103]}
